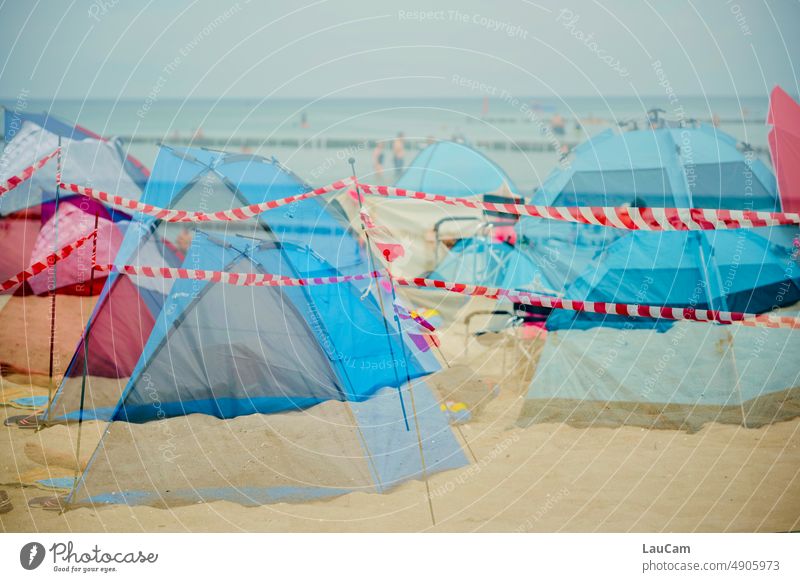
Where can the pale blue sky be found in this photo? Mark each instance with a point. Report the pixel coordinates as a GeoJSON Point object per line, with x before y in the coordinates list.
{"type": "Point", "coordinates": [102, 49]}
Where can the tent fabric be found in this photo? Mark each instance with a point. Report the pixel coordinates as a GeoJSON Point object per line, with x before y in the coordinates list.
{"type": "Point", "coordinates": [784, 146]}
{"type": "Point", "coordinates": [18, 234]}
{"type": "Point", "coordinates": [750, 271]}
{"type": "Point", "coordinates": [323, 451]}
{"type": "Point", "coordinates": [693, 374]}
{"type": "Point", "coordinates": [31, 234]}
{"type": "Point", "coordinates": [87, 162]}
{"type": "Point", "coordinates": [453, 169]}
{"type": "Point", "coordinates": [598, 370]}
{"type": "Point", "coordinates": [242, 350]}
{"type": "Point", "coordinates": [14, 121]}
{"type": "Point", "coordinates": [70, 222]}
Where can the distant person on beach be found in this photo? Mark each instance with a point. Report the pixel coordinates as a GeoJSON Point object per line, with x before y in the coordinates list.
{"type": "Point", "coordinates": [304, 120]}
{"type": "Point", "coordinates": [377, 160]}
{"type": "Point", "coordinates": [399, 152]}
{"type": "Point", "coordinates": [557, 124]}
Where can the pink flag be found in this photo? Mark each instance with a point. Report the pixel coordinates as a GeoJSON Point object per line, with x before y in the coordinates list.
{"type": "Point", "coordinates": [784, 145]}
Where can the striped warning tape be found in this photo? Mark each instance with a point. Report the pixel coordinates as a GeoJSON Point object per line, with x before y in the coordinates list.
{"type": "Point", "coordinates": [270, 280]}
{"type": "Point", "coordinates": [171, 215]}
{"type": "Point", "coordinates": [629, 218]}
{"type": "Point", "coordinates": [48, 261]}
{"type": "Point", "coordinates": [626, 309]}
{"type": "Point", "coordinates": [241, 279]}
{"type": "Point", "coordinates": [15, 181]}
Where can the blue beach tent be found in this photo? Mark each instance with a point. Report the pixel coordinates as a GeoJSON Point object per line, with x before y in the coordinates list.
{"type": "Point", "coordinates": [669, 167]}
{"type": "Point", "coordinates": [227, 351]}
{"type": "Point", "coordinates": [317, 376]}
{"type": "Point", "coordinates": [609, 370]}
{"type": "Point", "coordinates": [453, 169]}
{"type": "Point", "coordinates": [736, 270]}
{"type": "Point", "coordinates": [311, 396]}
{"type": "Point", "coordinates": [191, 179]}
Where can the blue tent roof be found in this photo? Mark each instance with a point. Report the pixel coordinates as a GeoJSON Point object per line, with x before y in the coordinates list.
{"type": "Point", "coordinates": [684, 167]}
{"type": "Point", "coordinates": [453, 169]}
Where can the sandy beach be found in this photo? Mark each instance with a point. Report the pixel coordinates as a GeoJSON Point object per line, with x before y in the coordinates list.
{"type": "Point", "coordinates": [547, 477]}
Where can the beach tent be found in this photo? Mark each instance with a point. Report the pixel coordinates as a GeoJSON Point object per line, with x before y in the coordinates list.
{"type": "Point", "coordinates": [683, 167]}
{"type": "Point", "coordinates": [96, 162]}
{"type": "Point", "coordinates": [453, 169]}
{"type": "Point", "coordinates": [33, 225]}
{"type": "Point", "coordinates": [784, 146]}
{"type": "Point", "coordinates": [228, 351]}
{"type": "Point", "coordinates": [478, 261]}
{"type": "Point", "coordinates": [612, 370]}
{"type": "Point", "coordinates": [194, 179]}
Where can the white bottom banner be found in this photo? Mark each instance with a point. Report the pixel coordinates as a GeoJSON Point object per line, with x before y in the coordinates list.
{"type": "Point", "coordinates": [356, 557]}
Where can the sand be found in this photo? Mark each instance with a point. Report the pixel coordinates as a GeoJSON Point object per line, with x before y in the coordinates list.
{"type": "Point", "coordinates": [25, 334]}
{"type": "Point", "coordinates": [546, 477]}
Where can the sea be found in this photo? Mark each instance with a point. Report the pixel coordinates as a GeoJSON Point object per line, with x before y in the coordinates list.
{"type": "Point", "coordinates": [316, 137]}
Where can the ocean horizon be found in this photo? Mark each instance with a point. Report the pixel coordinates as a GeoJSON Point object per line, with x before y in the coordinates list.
{"type": "Point", "coordinates": [316, 137]}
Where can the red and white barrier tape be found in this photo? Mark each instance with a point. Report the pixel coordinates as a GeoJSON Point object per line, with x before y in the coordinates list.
{"type": "Point", "coordinates": [171, 215]}
{"type": "Point", "coordinates": [15, 181]}
{"type": "Point", "coordinates": [629, 218]}
{"type": "Point", "coordinates": [270, 280]}
{"type": "Point", "coordinates": [648, 311]}
{"type": "Point", "coordinates": [48, 261]}
{"type": "Point", "coordinates": [241, 279]}
{"type": "Point", "coordinates": [625, 309]}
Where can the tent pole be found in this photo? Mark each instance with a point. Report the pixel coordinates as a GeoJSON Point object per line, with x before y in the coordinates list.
{"type": "Point", "coordinates": [53, 285]}
{"type": "Point", "coordinates": [78, 468]}
{"type": "Point", "coordinates": [413, 404]}
{"type": "Point", "coordinates": [403, 351]}
{"type": "Point", "coordinates": [372, 267]}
